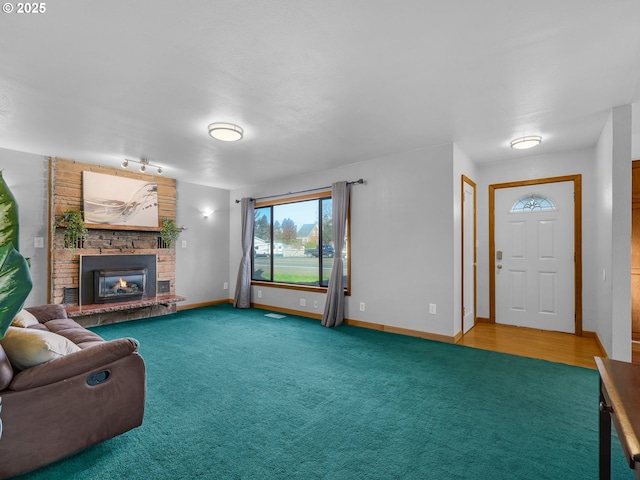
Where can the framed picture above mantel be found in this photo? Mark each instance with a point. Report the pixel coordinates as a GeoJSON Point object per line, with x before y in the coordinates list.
{"type": "Point", "coordinates": [111, 201]}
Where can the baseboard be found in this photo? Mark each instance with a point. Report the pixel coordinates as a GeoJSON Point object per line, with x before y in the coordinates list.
{"type": "Point", "coordinates": [204, 304]}
{"type": "Point", "coordinates": [362, 324]}
{"type": "Point", "coordinates": [483, 320]}
{"type": "Point", "coordinates": [594, 335]}
{"type": "Point", "coordinates": [401, 331]}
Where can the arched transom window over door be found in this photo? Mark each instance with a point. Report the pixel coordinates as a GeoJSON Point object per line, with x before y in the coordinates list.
{"type": "Point", "coordinates": [533, 203]}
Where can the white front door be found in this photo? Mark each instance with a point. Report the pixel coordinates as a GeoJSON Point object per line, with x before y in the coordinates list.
{"type": "Point", "coordinates": [534, 256]}
{"type": "Point", "coordinates": [468, 255]}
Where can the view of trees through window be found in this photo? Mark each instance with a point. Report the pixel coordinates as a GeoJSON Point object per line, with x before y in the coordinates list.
{"type": "Point", "coordinates": [292, 243]}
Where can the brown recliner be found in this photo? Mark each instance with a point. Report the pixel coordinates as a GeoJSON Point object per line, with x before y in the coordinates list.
{"type": "Point", "coordinates": [62, 406]}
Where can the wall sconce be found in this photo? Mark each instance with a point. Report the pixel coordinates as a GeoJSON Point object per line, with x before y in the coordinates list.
{"type": "Point", "coordinates": [144, 163]}
{"type": "Point", "coordinates": [207, 213]}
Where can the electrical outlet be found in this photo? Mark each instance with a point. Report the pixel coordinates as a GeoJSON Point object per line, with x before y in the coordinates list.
{"type": "Point", "coordinates": [184, 244]}
{"type": "Point", "coordinates": [38, 242]}
{"type": "Point", "coordinates": [362, 306]}
{"type": "Point", "coordinates": [225, 285]}
{"type": "Point", "coordinates": [259, 293]}
{"type": "Point", "coordinates": [303, 302]}
{"type": "Point", "coordinates": [315, 304]}
{"type": "Point", "coordinates": [432, 308]}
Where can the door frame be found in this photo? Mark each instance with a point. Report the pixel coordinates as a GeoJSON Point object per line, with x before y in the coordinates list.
{"type": "Point", "coordinates": [471, 183]}
{"type": "Point", "coordinates": [577, 240]}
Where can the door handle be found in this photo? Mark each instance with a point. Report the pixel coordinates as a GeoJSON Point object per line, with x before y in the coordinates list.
{"type": "Point", "coordinates": [499, 266]}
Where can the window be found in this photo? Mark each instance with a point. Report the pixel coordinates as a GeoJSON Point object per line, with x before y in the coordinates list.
{"type": "Point", "coordinates": [292, 243]}
{"type": "Point", "coordinates": [533, 203]}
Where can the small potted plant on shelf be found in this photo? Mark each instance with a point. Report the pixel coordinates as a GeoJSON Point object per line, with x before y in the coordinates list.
{"type": "Point", "coordinates": [75, 231]}
{"type": "Point", "coordinates": [169, 231]}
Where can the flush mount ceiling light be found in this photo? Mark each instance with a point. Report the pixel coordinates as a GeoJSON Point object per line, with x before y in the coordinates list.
{"type": "Point", "coordinates": [526, 142]}
{"type": "Point", "coordinates": [227, 132]}
{"type": "Point", "coordinates": [144, 163]}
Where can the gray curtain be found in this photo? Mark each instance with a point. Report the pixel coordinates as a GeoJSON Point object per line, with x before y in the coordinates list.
{"type": "Point", "coordinates": [334, 307]}
{"type": "Point", "coordinates": [242, 298]}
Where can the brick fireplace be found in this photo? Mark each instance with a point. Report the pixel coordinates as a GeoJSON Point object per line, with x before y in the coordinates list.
{"type": "Point", "coordinates": [105, 246]}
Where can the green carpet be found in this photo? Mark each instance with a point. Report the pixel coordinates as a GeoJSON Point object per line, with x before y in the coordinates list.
{"type": "Point", "coordinates": [232, 394]}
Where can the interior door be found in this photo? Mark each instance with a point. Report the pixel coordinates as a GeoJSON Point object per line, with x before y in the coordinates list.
{"type": "Point", "coordinates": [534, 256]}
{"type": "Point", "coordinates": [468, 254]}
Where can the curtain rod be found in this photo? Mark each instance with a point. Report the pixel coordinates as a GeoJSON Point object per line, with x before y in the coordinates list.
{"type": "Point", "coordinates": [359, 182]}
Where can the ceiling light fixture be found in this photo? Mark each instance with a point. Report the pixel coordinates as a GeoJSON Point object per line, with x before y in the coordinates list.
{"type": "Point", "coordinates": [144, 163]}
{"type": "Point", "coordinates": [227, 132]}
{"type": "Point", "coordinates": [526, 142]}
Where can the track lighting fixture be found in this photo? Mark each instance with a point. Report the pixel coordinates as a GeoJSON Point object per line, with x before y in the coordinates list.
{"type": "Point", "coordinates": [144, 163]}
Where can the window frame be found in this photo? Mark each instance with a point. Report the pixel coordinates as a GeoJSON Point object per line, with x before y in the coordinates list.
{"type": "Point", "coordinates": [320, 195]}
{"type": "Point", "coordinates": [521, 204]}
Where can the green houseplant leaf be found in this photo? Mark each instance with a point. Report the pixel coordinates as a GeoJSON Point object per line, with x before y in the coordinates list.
{"type": "Point", "coordinates": [75, 231]}
{"type": "Point", "coordinates": [15, 285]}
{"type": "Point", "coordinates": [9, 231]}
{"type": "Point", "coordinates": [169, 231]}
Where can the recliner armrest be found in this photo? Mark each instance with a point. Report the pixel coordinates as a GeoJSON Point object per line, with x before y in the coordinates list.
{"type": "Point", "coordinates": [74, 364]}
{"type": "Point", "coordinates": [44, 313]}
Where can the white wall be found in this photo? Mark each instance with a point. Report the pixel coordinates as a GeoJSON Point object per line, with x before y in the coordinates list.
{"type": "Point", "coordinates": [202, 266]}
{"type": "Point", "coordinates": [405, 233]}
{"type": "Point", "coordinates": [402, 246]}
{"type": "Point", "coordinates": [552, 165]}
{"type": "Point", "coordinates": [613, 186]}
{"type": "Point", "coordinates": [621, 233]}
{"type": "Point", "coordinates": [604, 190]}
{"type": "Point", "coordinates": [26, 175]}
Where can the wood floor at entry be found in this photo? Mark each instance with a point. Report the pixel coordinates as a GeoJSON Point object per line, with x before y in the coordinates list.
{"type": "Point", "coordinates": [533, 343]}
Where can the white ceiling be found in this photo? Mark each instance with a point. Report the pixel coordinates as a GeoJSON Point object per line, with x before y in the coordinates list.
{"type": "Point", "coordinates": [314, 83]}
